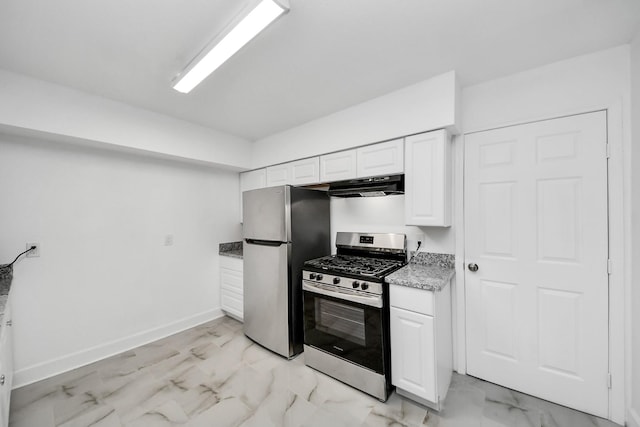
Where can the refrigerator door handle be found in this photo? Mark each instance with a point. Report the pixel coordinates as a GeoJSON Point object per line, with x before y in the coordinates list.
{"type": "Point", "coordinates": [263, 242]}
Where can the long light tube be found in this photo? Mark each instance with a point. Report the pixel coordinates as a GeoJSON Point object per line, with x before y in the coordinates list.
{"type": "Point", "coordinates": [250, 26]}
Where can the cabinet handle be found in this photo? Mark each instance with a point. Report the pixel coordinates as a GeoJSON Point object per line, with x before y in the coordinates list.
{"type": "Point", "coordinates": [2, 378]}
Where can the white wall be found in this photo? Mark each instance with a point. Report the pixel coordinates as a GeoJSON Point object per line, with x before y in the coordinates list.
{"type": "Point", "coordinates": [595, 81]}
{"type": "Point", "coordinates": [430, 104]}
{"type": "Point", "coordinates": [634, 304]}
{"type": "Point", "coordinates": [105, 282]}
{"type": "Point", "coordinates": [589, 81]}
{"type": "Point", "coordinates": [35, 105]}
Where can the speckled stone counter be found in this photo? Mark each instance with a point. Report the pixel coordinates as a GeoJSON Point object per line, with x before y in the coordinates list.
{"type": "Point", "coordinates": [231, 249]}
{"type": "Point", "coordinates": [6, 276]}
{"type": "Point", "coordinates": [428, 271]}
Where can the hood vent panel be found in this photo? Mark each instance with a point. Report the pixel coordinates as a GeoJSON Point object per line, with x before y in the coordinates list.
{"type": "Point", "coordinates": [368, 187]}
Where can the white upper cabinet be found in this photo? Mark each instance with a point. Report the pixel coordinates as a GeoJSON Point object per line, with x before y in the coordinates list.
{"type": "Point", "coordinates": [253, 179]}
{"type": "Point", "coordinates": [305, 171]}
{"type": "Point", "coordinates": [428, 179]}
{"type": "Point", "coordinates": [250, 181]}
{"type": "Point", "coordinates": [278, 175]}
{"type": "Point", "coordinates": [385, 158]}
{"type": "Point", "coordinates": [300, 172]}
{"type": "Point", "coordinates": [338, 166]}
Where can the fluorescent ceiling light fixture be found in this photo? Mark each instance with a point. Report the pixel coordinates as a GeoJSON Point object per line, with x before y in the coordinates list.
{"type": "Point", "coordinates": [242, 30]}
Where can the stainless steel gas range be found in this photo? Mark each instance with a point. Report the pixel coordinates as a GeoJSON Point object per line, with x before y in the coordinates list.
{"type": "Point", "coordinates": [346, 312]}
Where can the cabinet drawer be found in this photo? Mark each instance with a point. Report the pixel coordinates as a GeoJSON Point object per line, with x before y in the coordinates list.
{"type": "Point", "coordinates": [412, 299]}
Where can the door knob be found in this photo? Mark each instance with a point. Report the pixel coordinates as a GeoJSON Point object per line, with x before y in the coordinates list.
{"type": "Point", "coordinates": [473, 267]}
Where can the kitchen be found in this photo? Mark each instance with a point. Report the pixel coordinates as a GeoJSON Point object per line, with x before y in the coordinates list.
{"type": "Point", "coordinates": [102, 193]}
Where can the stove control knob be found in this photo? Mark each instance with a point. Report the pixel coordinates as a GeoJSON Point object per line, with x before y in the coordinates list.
{"type": "Point", "coordinates": [319, 277]}
{"type": "Point", "coordinates": [355, 284]}
{"type": "Point", "coordinates": [312, 276]}
{"type": "Point", "coordinates": [336, 280]}
{"type": "Point", "coordinates": [364, 286]}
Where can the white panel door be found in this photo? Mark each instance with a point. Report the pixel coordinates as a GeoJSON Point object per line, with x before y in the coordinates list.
{"type": "Point", "coordinates": [536, 227]}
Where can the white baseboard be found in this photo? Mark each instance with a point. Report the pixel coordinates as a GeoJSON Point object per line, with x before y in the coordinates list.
{"type": "Point", "coordinates": [75, 360]}
{"type": "Point", "coordinates": [633, 418]}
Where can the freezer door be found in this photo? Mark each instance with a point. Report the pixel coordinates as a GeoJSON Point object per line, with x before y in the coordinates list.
{"type": "Point", "coordinates": [266, 296]}
{"type": "Point", "coordinates": [266, 213]}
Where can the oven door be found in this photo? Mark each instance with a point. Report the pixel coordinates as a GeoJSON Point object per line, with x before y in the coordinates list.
{"type": "Point", "coordinates": [346, 323]}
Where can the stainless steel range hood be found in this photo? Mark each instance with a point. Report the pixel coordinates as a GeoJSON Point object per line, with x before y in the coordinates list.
{"type": "Point", "coordinates": [368, 187]}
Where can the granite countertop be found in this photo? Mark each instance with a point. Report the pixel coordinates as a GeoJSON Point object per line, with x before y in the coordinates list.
{"type": "Point", "coordinates": [6, 275]}
{"type": "Point", "coordinates": [428, 271]}
{"type": "Point", "coordinates": [231, 249]}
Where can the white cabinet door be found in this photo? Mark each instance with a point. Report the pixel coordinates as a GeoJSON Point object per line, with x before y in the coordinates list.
{"type": "Point", "coordinates": [300, 172]}
{"type": "Point", "coordinates": [413, 366]}
{"type": "Point", "coordinates": [338, 166]}
{"type": "Point", "coordinates": [428, 179]}
{"type": "Point", "coordinates": [252, 180]}
{"type": "Point", "coordinates": [6, 365]}
{"type": "Point", "coordinates": [385, 158]}
{"type": "Point", "coordinates": [305, 171]}
{"type": "Point", "coordinates": [231, 287]}
{"type": "Point", "coordinates": [278, 175]}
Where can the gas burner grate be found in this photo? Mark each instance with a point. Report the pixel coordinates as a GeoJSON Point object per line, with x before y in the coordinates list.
{"type": "Point", "coordinates": [357, 265]}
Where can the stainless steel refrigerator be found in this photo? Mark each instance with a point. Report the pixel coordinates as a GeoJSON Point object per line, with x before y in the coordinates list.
{"type": "Point", "coordinates": [283, 227]}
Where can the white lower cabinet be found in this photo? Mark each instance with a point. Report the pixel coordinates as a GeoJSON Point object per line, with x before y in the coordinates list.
{"type": "Point", "coordinates": [231, 288]}
{"type": "Point", "coordinates": [421, 343]}
{"type": "Point", "coordinates": [6, 365]}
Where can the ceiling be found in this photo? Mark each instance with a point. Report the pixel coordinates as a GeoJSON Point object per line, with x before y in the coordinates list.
{"type": "Point", "coordinates": [323, 56]}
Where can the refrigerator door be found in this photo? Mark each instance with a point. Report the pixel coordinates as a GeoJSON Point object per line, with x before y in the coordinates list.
{"type": "Point", "coordinates": [266, 295]}
{"type": "Point", "coordinates": [266, 214]}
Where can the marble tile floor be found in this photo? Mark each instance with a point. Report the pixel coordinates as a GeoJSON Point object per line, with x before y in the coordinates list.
{"type": "Point", "coordinates": [213, 376]}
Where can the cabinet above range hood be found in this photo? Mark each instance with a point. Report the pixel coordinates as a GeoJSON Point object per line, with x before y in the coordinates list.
{"type": "Point", "coordinates": [368, 187]}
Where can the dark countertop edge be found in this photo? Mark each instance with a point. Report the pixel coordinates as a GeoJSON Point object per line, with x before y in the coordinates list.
{"type": "Point", "coordinates": [6, 277]}
{"type": "Point", "coordinates": [231, 254]}
{"type": "Point", "coordinates": [231, 249]}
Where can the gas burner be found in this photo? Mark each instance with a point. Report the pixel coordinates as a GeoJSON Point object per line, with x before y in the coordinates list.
{"type": "Point", "coordinates": [356, 265]}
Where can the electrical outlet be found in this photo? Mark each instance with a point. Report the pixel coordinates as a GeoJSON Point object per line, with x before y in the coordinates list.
{"type": "Point", "coordinates": [34, 253]}
{"type": "Point", "coordinates": [168, 240]}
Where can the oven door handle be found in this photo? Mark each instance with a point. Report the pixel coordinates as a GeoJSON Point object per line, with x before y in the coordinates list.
{"type": "Point", "coordinates": [343, 294]}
